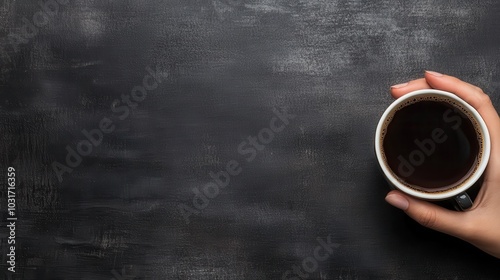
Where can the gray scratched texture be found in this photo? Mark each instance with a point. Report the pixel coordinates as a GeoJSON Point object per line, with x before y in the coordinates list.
{"type": "Point", "coordinates": [224, 66]}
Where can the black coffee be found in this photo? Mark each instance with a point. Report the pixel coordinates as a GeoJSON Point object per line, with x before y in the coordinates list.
{"type": "Point", "coordinates": [431, 145]}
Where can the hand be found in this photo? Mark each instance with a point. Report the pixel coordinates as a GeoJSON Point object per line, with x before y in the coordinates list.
{"type": "Point", "coordinates": [480, 225]}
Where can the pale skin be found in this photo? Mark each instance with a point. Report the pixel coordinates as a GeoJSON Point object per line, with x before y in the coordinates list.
{"type": "Point", "coordinates": [479, 225]}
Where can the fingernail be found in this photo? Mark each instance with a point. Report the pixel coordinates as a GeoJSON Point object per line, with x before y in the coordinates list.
{"type": "Point", "coordinates": [436, 74]}
{"type": "Point", "coordinates": [399, 85]}
{"type": "Point", "coordinates": [397, 201]}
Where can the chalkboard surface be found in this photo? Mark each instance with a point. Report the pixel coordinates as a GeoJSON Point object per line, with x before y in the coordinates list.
{"type": "Point", "coordinates": [221, 139]}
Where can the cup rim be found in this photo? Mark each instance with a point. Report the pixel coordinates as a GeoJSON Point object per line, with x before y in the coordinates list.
{"type": "Point", "coordinates": [440, 195]}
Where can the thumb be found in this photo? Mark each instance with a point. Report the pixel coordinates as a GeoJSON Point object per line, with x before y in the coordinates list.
{"type": "Point", "coordinates": [428, 214]}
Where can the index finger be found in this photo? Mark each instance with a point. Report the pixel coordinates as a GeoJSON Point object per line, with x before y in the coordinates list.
{"type": "Point", "coordinates": [399, 90]}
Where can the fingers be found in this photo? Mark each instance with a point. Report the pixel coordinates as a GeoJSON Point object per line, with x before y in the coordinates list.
{"type": "Point", "coordinates": [430, 215]}
{"type": "Point", "coordinates": [482, 103]}
{"type": "Point", "coordinates": [468, 92]}
{"type": "Point", "coordinates": [399, 90]}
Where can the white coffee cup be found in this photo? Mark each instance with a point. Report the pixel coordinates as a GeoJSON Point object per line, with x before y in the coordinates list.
{"type": "Point", "coordinates": [458, 193]}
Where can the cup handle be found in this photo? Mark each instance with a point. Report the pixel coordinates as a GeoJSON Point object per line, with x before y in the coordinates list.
{"type": "Point", "coordinates": [462, 201]}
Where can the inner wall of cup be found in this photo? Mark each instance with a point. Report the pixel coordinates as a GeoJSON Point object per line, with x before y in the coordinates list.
{"type": "Point", "coordinates": [455, 104]}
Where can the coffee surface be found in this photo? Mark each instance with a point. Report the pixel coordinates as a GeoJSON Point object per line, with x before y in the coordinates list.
{"type": "Point", "coordinates": [431, 145]}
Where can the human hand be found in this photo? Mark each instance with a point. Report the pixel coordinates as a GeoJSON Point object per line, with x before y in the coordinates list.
{"type": "Point", "coordinates": [480, 225]}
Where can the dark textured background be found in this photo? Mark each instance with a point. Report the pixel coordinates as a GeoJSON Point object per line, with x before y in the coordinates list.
{"type": "Point", "coordinates": [229, 63]}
